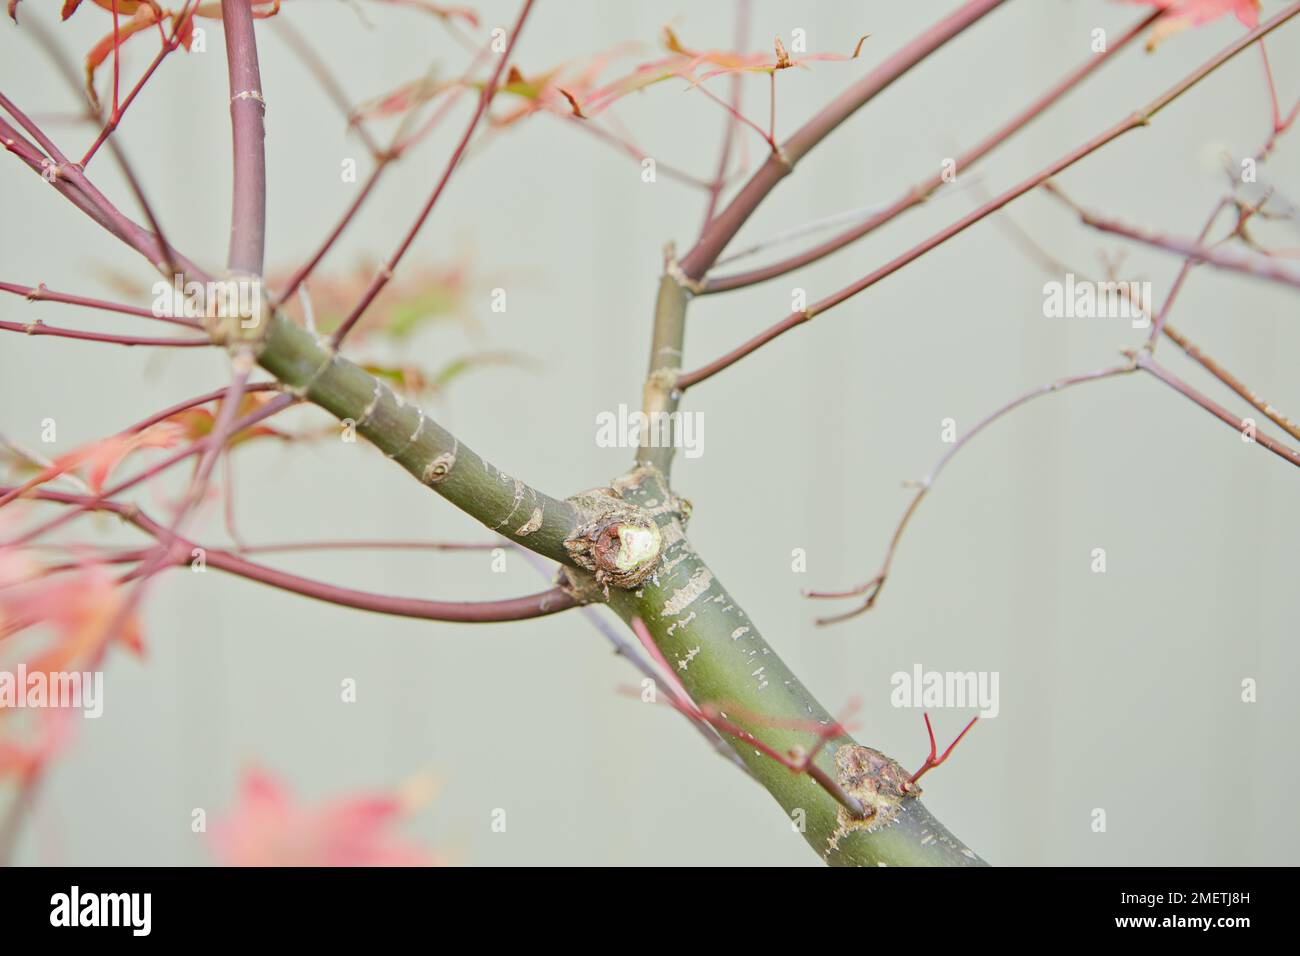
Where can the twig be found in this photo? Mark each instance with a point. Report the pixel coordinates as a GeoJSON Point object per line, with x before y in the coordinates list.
{"type": "Point", "coordinates": [373, 545]}
{"type": "Point", "coordinates": [778, 165]}
{"type": "Point", "coordinates": [471, 612]}
{"type": "Point", "coordinates": [42, 294]}
{"type": "Point", "coordinates": [273, 407]}
{"type": "Point", "coordinates": [1234, 383]}
{"type": "Point", "coordinates": [1259, 267]}
{"type": "Point", "coordinates": [592, 128]}
{"type": "Point", "coordinates": [319, 69]}
{"type": "Point", "coordinates": [743, 11]}
{"type": "Point", "coordinates": [923, 191]}
{"type": "Point", "coordinates": [1158, 325]}
{"type": "Point", "coordinates": [115, 116]}
{"type": "Point", "coordinates": [38, 328]}
{"type": "Point", "coordinates": [1052, 264]}
{"type": "Point", "coordinates": [386, 272]}
{"type": "Point", "coordinates": [396, 148]}
{"type": "Point", "coordinates": [1149, 364]}
{"type": "Point", "coordinates": [873, 587]}
{"type": "Point", "coordinates": [934, 759]}
{"type": "Point", "coordinates": [627, 650]}
{"type": "Point", "coordinates": [1136, 120]}
{"type": "Point", "coordinates": [797, 762]}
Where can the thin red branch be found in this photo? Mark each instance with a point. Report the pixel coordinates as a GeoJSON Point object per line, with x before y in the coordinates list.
{"type": "Point", "coordinates": [1158, 325]}
{"type": "Point", "coordinates": [1055, 266]}
{"type": "Point", "coordinates": [397, 147]}
{"type": "Point", "coordinates": [56, 169]}
{"type": "Point", "coordinates": [216, 439]}
{"type": "Point", "coordinates": [727, 223]}
{"type": "Point", "coordinates": [386, 272]}
{"type": "Point", "coordinates": [72, 184]}
{"type": "Point", "coordinates": [41, 293]}
{"type": "Point", "coordinates": [324, 76]}
{"type": "Point", "coordinates": [627, 650]}
{"type": "Point", "coordinates": [872, 588]}
{"type": "Point", "coordinates": [1272, 87]}
{"type": "Point", "coordinates": [1194, 251]}
{"type": "Point", "coordinates": [743, 11]}
{"type": "Point", "coordinates": [591, 128]}
{"type": "Point", "coordinates": [529, 606]}
{"type": "Point", "coordinates": [117, 56]}
{"type": "Point", "coordinates": [922, 191]}
{"type": "Point", "coordinates": [1237, 424]}
{"type": "Point", "coordinates": [798, 761]}
{"type": "Point", "coordinates": [194, 402]}
{"type": "Point", "coordinates": [169, 45]}
{"type": "Point", "coordinates": [140, 426]}
{"type": "Point", "coordinates": [374, 545]}
{"type": "Point", "coordinates": [1237, 385]}
{"type": "Point", "coordinates": [404, 140]}
{"type": "Point", "coordinates": [741, 117]}
{"type": "Point", "coordinates": [38, 328]}
{"type": "Point", "coordinates": [308, 267]}
{"type": "Point", "coordinates": [934, 759]}
{"type": "Point", "coordinates": [273, 407]}
{"type": "Point", "coordinates": [1134, 121]}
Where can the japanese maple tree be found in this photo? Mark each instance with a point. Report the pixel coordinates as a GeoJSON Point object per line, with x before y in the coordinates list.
{"type": "Point", "coordinates": [307, 337]}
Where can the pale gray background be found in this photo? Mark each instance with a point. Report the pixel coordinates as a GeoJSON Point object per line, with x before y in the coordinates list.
{"type": "Point", "coordinates": [1118, 691]}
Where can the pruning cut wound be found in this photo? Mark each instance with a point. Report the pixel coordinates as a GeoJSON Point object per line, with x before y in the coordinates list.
{"type": "Point", "coordinates": [881, 785]}
{"type": "Point", "coordinates": [618, 541]}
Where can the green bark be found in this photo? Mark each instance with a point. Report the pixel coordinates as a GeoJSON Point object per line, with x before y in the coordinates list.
{"type": "Point", "coordinates": [721, 658]}
{"type": "Point", "coordinates": [415, 441]}
{"type": "Point", "coordinates": [691, 616]}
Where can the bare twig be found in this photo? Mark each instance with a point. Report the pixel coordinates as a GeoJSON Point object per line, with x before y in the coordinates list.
{"type": "Point", "coordinates": [547, 602]}
{"type": "Point", "coordinates": [925, 190]}
{"type": "Point", "coordinates": [872, 588]}
{"type": "Point", "coordinates": [1136, 120]}
{"type": "Point", "coordinates": [385, 274]}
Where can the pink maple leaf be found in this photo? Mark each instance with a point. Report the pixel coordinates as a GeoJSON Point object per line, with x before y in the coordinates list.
{"type": "Point", "coordinates": [1183, 14]}
{"type": "Point", "coordinates": [267, 828]}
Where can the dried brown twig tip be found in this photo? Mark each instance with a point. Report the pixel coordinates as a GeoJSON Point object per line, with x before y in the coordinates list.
{"type": "Point", "coordinates": [934, 759]}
